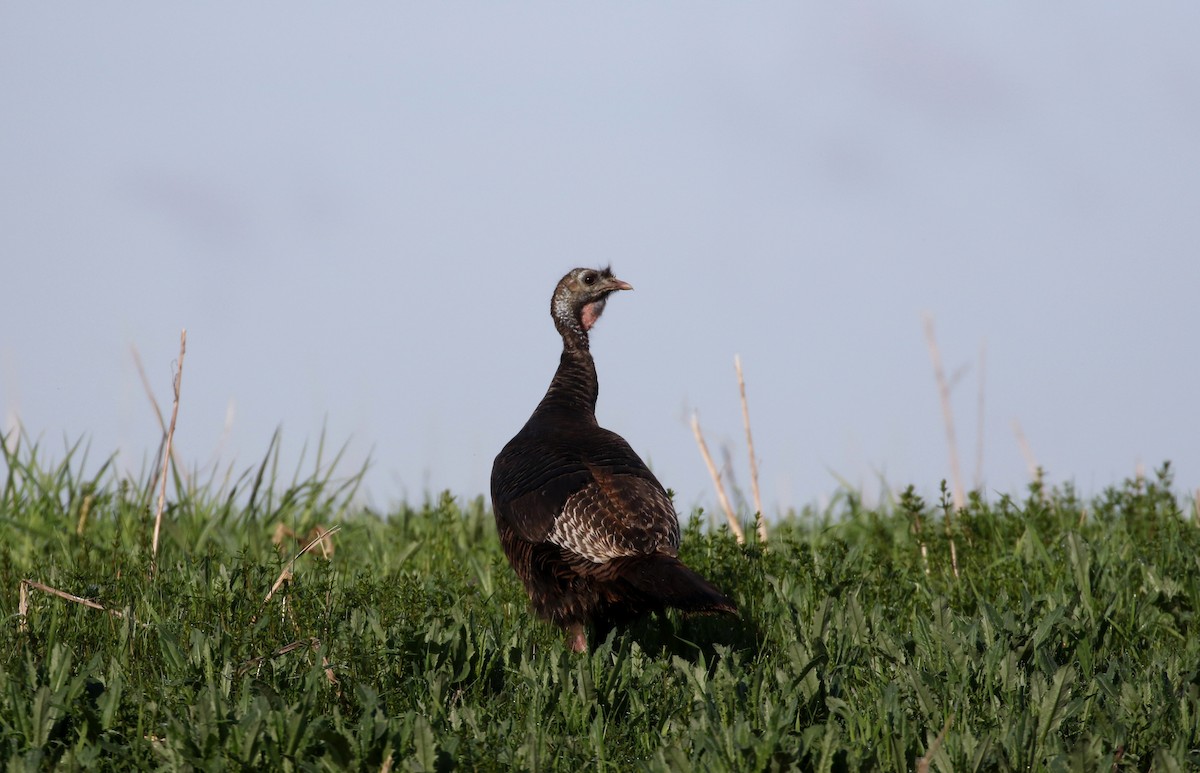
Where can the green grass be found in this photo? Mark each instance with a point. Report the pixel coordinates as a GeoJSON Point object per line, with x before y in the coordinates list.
{"type": "Point", "coordinates": [1069, 641]}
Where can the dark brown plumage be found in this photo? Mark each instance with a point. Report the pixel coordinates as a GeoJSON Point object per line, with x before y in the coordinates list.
{"type": "Point", "coordinates": [584, 523]}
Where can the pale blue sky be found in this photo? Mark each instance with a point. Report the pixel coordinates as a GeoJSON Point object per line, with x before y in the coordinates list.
{"type": "Point", "coordinates": [359, 213]}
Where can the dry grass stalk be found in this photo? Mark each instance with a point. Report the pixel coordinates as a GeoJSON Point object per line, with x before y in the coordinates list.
{"type": "Point", "coordinates": [921, 542]}
{"type": "Point", "coordinates": [329, 675]}
{"type": "Point", "coordinates": [312, 643]}
{"type": "Point", "coordinates": [761, 522]}
{"type": "Point", "coordinates": [953, 547]}
{"type": "Point", "coordinates": [321, 536]}
{"type": "Point", "coordinates": [924, 760]}
{"type": "Point", "coordinates": [316, 535]}
{"type": "Point", "coordinates": [734, 526]}
{"type": "Point", "coordinates": [162, 494]}
{"type": "Point", "coordinates": [85, 508]}
{"type": "Point", "coordinates": [162, 422]}
{"type": "Point", "coordinates": [23, 602]}
{"type": "Point", "coordinates": [1196, 508]}
{"type": "Point", "coordinates": [978, 480]}
{"type": "Point", "coordinates": [286, 575]}
{"type": "Point", "coordinates": [939, 374]}
{"type": "Point", "coordinates": [1027, 452]}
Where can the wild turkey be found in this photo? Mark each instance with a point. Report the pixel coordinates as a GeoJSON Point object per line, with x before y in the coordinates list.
{"type": "Point", "coordinates": [584, 523]}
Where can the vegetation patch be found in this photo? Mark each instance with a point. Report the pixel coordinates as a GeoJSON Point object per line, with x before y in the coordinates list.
{"type": "Point", "coordinates": [282, 626]}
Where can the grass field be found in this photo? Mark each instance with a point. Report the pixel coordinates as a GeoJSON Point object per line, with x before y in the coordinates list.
{"type": "Point", "coordinates": [404, 642]}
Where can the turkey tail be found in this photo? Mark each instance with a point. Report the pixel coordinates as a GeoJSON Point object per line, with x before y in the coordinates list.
{"type": "Point", "coordinates": [667, 581]}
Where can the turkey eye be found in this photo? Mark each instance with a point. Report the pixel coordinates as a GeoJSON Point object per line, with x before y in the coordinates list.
{"type": "Point", "coordinates": [589, 279]}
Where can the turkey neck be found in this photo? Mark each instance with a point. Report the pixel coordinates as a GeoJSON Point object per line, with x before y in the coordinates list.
{"type": "Point", "coordinates": [575, 386]}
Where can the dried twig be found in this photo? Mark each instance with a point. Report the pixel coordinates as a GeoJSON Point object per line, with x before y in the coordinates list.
{"type": "Point", "coordinates": [762, 523]}
{"type": "Point", "coordinates": [68, 596]}
{"type": "Point", "coordinates": [734, 526]}
{"type": "Point", "coordinates": [162, 495]}
{"type": "Point", "coordinates": [23, 602]}
{"type": "Point", "coordinates": [947, 412]}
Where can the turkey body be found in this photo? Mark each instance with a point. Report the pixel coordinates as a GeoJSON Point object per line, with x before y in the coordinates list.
{"type": "Point", "coordinates": [587, 527]}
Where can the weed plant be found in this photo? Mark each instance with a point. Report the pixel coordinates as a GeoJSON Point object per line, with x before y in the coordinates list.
{"type": "Point", "coordinates": [404, 642]}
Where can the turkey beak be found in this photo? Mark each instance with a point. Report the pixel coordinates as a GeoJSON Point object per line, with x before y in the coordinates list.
{"type": "Point", "coordinates": [619, 285]}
